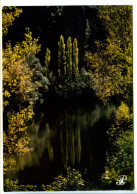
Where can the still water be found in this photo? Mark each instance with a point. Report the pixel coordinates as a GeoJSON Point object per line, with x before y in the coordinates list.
{"type": "Point", "coordinates": [65, 136]}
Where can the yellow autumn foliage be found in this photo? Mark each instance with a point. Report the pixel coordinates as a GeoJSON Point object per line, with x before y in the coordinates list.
{"type": "Point", "coordinates": [16, 72]}
{"type": "Point", "coordinates": [15, 139]}
{"type": "Point", "coordinates": [111, 64]}
{"type": "Point", "coordinates": [17, 84]}
{"type": "Point", "coordinates": [9, 14]}
{"type": "Point", "coordinates": [123, 114]}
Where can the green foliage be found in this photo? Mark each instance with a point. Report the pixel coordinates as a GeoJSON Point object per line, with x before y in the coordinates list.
{"type": "Point", "coordinates": [121, 162]}
{"type": "Point", "coordinates": [10, 185]}
{"type": "Point", "coordinates": [71, 182]}
{"type": "Point", "coordinates": [8, 16]}
{"type": "Point", "coordinates": [120, 153]}
{"type": "Point", "coordinates": [111, 65]}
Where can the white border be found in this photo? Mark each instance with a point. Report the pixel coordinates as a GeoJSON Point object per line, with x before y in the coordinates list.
{"type": "Point", "coordinates": [75, 2]}
{"type": "Point", "coordinates": [65, 2]}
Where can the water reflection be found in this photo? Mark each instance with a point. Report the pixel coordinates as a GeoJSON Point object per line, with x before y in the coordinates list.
{"type": "Point", "coordinates": [39, 140]}
{"type": "Point", "coordinates": [66, 137]}
{"type": "Point", "coordinates": [70, 146]}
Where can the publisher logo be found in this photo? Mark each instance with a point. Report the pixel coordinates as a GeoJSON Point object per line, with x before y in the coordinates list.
{"type": "Point", "coordinates": [121, 180]}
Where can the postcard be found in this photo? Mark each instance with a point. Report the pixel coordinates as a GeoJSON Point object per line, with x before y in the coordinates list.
{"type": "Point", "coordinates": [68, 104]}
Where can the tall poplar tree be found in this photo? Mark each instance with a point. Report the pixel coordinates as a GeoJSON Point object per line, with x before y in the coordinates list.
{"type": "Point", "coordinates": [75, 58]}
{"type": "Point", "coordinates": [67, 61]}
{"type": "Point", "coordinates": [61, 58]}
{"type": "Point", "coordinates": [69, 58]}
{"type": "Point", "coordinates": [47, 60]}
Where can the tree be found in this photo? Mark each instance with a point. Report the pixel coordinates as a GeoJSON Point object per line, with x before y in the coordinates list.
{"type": "Point", "coordinates": [75, 58]}
{"type": "Point", "coordinates": [120, 151]}
{"type": "Point", "coordinates": [17, 82]}
{"type": "Point", "coordinates": [47, 61]}
{"type": "Point", "coordinates": [15, 140]}
{"type": "Point", "coordinates": [61, 58]}
{"type": "Point", "coordinates": [17, 89]}
{"type": "Point", "coordinates": [67, 61]}
{"type": "Point", "coordinates": [111, 69]}
{"type": "Point", "coordinates": [23, 80]}
{"type": "Point", "coordinates": [69, 58]}
{"type": "Point", "coordinates": [114, 56]}
{"type": "Point", "coordinates": [39, 81]}
{"type": "Point", "coordinates": [8, 16]}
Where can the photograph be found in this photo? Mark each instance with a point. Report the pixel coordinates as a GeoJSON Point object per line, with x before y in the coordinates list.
{"type": "Point", "coordinates": [68, 114]}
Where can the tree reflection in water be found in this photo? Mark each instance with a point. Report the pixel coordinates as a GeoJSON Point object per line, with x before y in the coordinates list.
{"type": "Point", "coordinates": [65, 138]}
